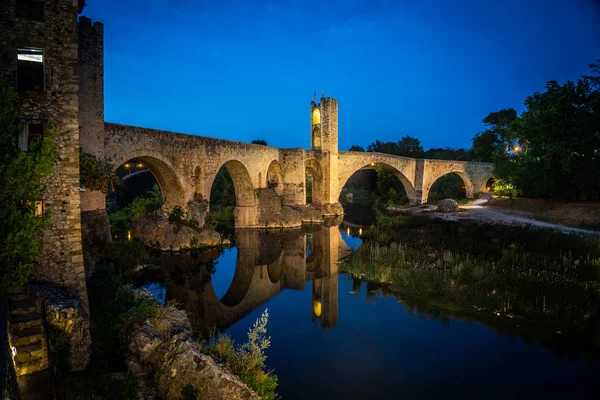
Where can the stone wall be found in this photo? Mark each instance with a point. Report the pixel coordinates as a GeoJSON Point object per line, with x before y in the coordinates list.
{"type": "Point", "coordinates": [62, 262]}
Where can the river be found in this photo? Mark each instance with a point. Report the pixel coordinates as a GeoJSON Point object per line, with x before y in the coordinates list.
{"type": "Point", "coordinates": [336, 337]}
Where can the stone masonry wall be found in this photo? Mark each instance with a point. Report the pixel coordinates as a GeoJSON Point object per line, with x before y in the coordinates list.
{"type": "Point", "coordinates": [62, 262]}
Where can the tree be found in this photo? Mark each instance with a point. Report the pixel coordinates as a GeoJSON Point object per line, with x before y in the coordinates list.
{"type": "Point", "coordinates": [496, 137]}
{"type": "Point", "coordinates": [355, 147]}
{"type": "Point", "coordinates": [22, 177]}
{"type": "Point", "coordinates": [259, 141]}
{"type": "Point", "coordinates": [448, 153]}
{"type": "Point", "coordinates": [594, 78]}
{"type": "Point", "coordinates": [559, 134]}
{"type": "Point", "coordinates": [96, 174]}
{"type": "Point", "coordinates": [408, 146]}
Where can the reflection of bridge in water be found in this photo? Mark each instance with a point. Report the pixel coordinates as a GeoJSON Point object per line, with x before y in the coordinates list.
{"type": "Point", "coordinates": [267, 263]}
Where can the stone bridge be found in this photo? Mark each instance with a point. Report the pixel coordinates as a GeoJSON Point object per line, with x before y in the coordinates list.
{"type": "Point", "coordinates": [185, 166]}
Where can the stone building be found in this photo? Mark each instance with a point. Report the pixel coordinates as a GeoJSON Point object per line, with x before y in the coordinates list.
{"type": "Point", "coordinates": [39, 56]}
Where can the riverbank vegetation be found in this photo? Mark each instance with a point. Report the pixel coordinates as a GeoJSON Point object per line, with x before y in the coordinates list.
{"type": "Point", "coordinates": [535, 276]}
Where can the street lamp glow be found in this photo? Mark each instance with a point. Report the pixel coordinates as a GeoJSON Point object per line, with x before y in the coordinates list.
{"type": "Point", "coordinates": [517, 149]}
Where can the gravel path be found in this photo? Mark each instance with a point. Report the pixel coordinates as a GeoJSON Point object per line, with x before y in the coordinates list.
{"type": "Point", "coordinates": [476, 210]}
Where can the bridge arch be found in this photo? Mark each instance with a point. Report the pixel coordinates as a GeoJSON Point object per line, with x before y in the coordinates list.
{"type": "Point", "coordinates": [242, 183]}
{"type": "Point", "coordinates": [275, 177]}
{"type": "Point", "coordinates": [315, 169]}
{"type": "Point", "coordinates": [408, 187]}
{"type": "Point", "coordinates": [166, 175]}
{"type": "Point", "coordinates": [461, 174]}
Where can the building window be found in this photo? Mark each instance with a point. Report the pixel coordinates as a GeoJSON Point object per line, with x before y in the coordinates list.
{"type": "Point", "coordinates": [30, 70]}
{"type": "Point", "coordinates": [28, 134]}
{"type": "Point", "coordinates": [39, 208]}
{"type": "Point", "coordinates": [30, 9]}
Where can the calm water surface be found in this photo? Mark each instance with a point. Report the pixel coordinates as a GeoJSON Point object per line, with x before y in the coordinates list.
{"type": "Point", "coordinates": [334, 337]}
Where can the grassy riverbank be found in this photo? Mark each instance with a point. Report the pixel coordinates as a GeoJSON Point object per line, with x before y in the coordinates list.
{"type": "Point", "coordinates": [535, 275]}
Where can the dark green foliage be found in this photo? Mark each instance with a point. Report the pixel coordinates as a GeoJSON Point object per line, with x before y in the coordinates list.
{"type": "Point", "coordinates": [141, 206]}
{"type": "Point", "coordinates": [389, 189]}
{"type": "Point", "coordinates": [408, 146]}
{"type": "Point", "coordinates": [222, 193]}
{"type": "Point", "coordinates": [552, 150]}
{"type": "Point", "coordinates": [355, 147]}
{"type": "Point", "coordinates": [259, 141]}
{"type": "Point", "coordinates": [449, 186]}
{"type": "Point", "coordinates": [22, 186]}
{"type": "Point", "coordinates": [594, 78]}
{"type": "Point", "coordinates": [559, 135]}
{"type": "Point", "coordinates": [96, 174]}
{"type": "Point", "coordinates": [448, 153]}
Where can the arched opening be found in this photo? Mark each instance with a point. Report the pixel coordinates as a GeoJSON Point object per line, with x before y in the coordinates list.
{"type": "Point", "coordinates": [313, 182]}
{"type": "Point", "coordinates": [448, 186]}
{"type": "Point", "coordinates": [375, 185]}
{"type": "Point", "coordinates": [147, 185]}
{"type": "Point", "coordinates": [316, 117]}
{"type": "Point", "coordinates": [489, 185]}
{"type": "Point", "coordinates": [198, 181]}
{"type": "Point", "coordinates": [275, 177]}
{"type": "Point", "coordinates": [232, 187]}
{"type": "Point", "coordinates": [316, 138]}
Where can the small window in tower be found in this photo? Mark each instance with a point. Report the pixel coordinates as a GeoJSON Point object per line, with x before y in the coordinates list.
{"type": "Point", "coordinates": [31, 9]}
{"type": "Point", "coordinates": [29, 134]}
{"type": "Point", "coordinates": [39, 208]}
{"type": "Point", "coordinates": [30, 70]}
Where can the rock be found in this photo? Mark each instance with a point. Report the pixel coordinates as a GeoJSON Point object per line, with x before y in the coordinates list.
{"type": "Point", "coordinates": [155, 230]}
{"type": "Point", "coordinates": [165, 359]}
{"type": "Point", "coordinates": [66, 318]}
{"type": "Point", "coordinates": [332, 209]}
{"type": "Point", "coordinates": [448, 206]}
{"type": "Point", "coordinates": [198, 210]}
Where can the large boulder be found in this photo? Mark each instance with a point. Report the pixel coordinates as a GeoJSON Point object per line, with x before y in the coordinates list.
{"type": "Point", "coordinates": [157, 231]}
{"type": "Point", "coordinates": [448, 206]}
{"type": "Point", "coordinates": [165, 357]}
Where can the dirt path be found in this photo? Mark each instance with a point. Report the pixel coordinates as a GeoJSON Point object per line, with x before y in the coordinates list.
{"type": "Point", "coordinates": [476, 210]}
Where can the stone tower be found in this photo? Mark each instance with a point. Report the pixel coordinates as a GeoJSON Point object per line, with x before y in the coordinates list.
{"type": "Point", "coordinates": [324, 144]}
{"type": "Point", "coordinates": [39, 56]}
{"type": "Point", "coordinates": [91, 119]}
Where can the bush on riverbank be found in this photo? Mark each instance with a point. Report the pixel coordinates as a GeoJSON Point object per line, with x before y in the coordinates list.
{"type": "Point", "coordinates": [248, 359]}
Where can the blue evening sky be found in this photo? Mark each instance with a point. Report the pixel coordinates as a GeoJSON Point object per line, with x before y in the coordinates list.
{"type": "Point", "coordinates": [244, 69]}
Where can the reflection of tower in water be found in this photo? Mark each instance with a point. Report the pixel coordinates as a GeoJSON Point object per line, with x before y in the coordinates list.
{"type": "Point", "coordinates": [321, 269]}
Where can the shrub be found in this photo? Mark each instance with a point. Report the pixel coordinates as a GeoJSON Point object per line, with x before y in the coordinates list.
{"type": "Point", "coordinates": [248, 359]}
{"type": "Point", "coordinates": [97, 174]}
